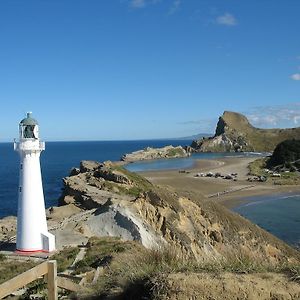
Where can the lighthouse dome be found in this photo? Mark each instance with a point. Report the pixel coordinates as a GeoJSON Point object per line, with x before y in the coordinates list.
{"type": "Point", "coordinates": [28, 120]}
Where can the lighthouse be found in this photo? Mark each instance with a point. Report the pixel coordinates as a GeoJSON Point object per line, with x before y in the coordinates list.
{"type": "Point", "coordinates": [32, 232]}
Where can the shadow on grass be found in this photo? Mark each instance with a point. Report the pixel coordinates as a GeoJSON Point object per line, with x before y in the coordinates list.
{"type": "Point", "coordinates": [138, 290]}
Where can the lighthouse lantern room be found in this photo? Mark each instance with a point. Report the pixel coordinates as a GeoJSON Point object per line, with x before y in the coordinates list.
{"type": "Point", "coordinates": [32, 232]}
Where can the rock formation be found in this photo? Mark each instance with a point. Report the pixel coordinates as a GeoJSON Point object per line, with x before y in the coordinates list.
{"type": "Point", "coordinates": [124, 204]}
{"type": "Point", "coordinates": [155, 153]}
{"type": "Point", "coordinates": [234, 133]}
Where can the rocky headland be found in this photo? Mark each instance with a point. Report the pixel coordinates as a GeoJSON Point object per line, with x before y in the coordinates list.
{"type": "Point", "coordinates": [125, 204]}
{"type": "Point", "coordinates": [155, 153]}
{"type": "Point", "coordinates": [234, 133]}
{"type": "Point", "coordinates": [117, 203]}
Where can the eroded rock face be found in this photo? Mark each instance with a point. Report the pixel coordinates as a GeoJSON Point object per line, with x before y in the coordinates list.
{"type": "Point", "coordinates": [234, 133]}
{"type": "Point", "coordinates": [134, 209]}
{"type": "Point", "coordinates": [155, 153]}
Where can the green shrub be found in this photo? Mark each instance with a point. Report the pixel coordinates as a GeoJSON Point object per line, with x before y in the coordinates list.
{"type": "Point", "coordinates": [65, 258]}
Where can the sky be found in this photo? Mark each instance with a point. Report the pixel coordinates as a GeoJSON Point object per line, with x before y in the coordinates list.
{"type": "Point", "coordinates": [143, 69]}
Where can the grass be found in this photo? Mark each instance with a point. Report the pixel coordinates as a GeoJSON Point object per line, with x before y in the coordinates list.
{"type": "Point", "coordinates": [10, 268]}
{"type": "Point", "coordinates": [139, 183]}
{"type": "Point", "coordinates": [256, 168]}
{"type": "Point", "coordinates": [133, 271]}
{"type": "Point", "coordinates": [2, 257]}
{"type": "Point", "coordinates": [65, 258]}
{"type": "Point", "coordinates": [134, 177]}
{"type": "Point", "coordinates": [100, 251]}
{"type": "Point", "coordinates": [175, 152]}
{"type": "Point", "coordinates": [121, 190]}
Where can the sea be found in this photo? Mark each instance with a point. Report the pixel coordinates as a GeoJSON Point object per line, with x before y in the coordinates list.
{"type": "Point", "coordinates": [278, 214]}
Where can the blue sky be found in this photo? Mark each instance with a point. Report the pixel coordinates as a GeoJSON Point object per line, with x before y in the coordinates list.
{"type": "Point", "coordinates": [117, 69]}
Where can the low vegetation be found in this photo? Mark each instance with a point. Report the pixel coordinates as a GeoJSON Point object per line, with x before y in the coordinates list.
{"type": "Point", "coordinates": [286, 152]}
{"type": "Point", "coordinates": [140, 184]}
{"type": "Point", "coordinates": [138, 180]}
{"type": "Point", "coordinates": [10, 268]}
{"type": "Point", "coordinates": [100, 252]}
{"type": "Point", "coordinates": [132, 272]}
{"type": "Point", "coordinates": [256, 168]}
{"type": "Point", "coordinates": [65, 258]}
{"type": "Point", "coordinates": [176, 152]}
{"type": "Point", "coordinates": [283, 176]}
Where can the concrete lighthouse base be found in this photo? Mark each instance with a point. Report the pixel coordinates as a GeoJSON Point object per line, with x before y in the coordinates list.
{"type": "Point", "coordinates": [47, 242]}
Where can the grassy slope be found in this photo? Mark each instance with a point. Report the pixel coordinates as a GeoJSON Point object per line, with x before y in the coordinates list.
{"type": "Point", "coordinates": [10, 268]}
{"type": "Point", "coordinates": [133, 272]}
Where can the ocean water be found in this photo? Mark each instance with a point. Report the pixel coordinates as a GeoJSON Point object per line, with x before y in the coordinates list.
{"type": "Point", "coordinates": [56, 162]}
{"type": "Point", "coordinates": [279, 214]}
{"type": "Point", "coordinates": [182, 163]}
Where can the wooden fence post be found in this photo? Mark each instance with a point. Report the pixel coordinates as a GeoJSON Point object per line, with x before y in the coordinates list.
{"type": "Point", "coordinates": [52, 280]}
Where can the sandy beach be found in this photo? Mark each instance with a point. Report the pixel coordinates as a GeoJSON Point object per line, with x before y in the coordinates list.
{"type": "Point", "coordinates": [227, 192]}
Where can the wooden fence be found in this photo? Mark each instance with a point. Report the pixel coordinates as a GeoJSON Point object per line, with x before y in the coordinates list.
{"type": "Point", "coordinates": [47, 269]}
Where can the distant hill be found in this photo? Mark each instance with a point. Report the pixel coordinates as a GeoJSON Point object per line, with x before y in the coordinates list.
{"type": "Point", "coordinates": [195, 137]}
{"type": "Point", "coordinates": [235, 133]}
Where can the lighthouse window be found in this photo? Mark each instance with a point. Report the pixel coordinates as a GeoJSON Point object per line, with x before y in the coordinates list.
{"type": "Point", "coordinates": [21, 166]}
{"type": "Point", "coordinates": [28, 132]}
{"type": "Point", "coordinates": [20, 189]}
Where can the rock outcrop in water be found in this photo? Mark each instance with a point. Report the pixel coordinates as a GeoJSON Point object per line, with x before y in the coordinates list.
{"type": "Point", "coordinates": [155, 153]}
{"type": "Point", "coordinates": [234, 133]}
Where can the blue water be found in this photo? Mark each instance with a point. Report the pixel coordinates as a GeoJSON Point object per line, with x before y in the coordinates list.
{"type": "Point", "coordinates": [278, 214]}
{"type": "Point", "coordinates": [56, 162]}
{"type": "Point", "coordinates": [180, 163]}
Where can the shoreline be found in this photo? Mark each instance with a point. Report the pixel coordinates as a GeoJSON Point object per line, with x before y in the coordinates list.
{"type": "Point", "coordinates": [231, 194]}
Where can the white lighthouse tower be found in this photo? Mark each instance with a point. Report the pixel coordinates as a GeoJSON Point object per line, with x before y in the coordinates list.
{"type": "Point", "coordinates": [32, 233]}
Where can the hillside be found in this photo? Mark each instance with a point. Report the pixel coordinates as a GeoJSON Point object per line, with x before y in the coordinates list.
{"type": "Point", "coordinates": [176, 239]}
{"type": "Point", "coordinates": [129, 206]}
{"type": "Point", "coordinates": [234, 133]}
{"type": "Point", "coordinates": [286, 155]}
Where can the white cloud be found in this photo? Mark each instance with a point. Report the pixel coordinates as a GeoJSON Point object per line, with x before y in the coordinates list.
{"type": "Point", "coordinates": [142, 3]}
{"type": "Point", "coordinates": [137, 3]}
{"type": "Point", "coordinates": [175, 6]}
{"type": "Point", "coordinates": [296, 119]}
{"type": "Point", "coordinates": [227, 20]}
{"type": "Point", "coordinates": [295, 76]}
{"type": "Point", "coordinates": [287, 115]}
